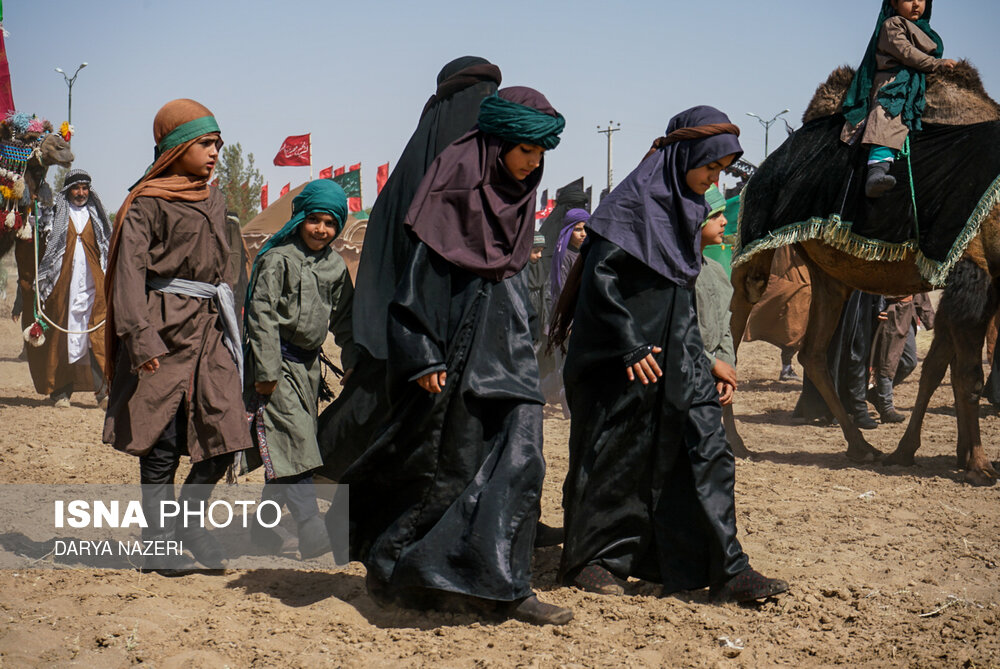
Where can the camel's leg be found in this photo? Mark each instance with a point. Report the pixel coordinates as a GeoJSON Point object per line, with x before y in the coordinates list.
{"type": "Point", "coordinates": [939, 356]}
{"type": "Point", "coordinates": [828, 298]}
{"type": "Point", "coordinates": [24, 254]}
{"type": "Point", "coordinates": [740, 449]}
{"type": "Point", "coordinates": [967, 380]}
{"type": "Point", "coordinates": [749, 283]}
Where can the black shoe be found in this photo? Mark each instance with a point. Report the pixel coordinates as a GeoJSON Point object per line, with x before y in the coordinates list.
{"type": "Point", "coordinates": [891, 416]}
{"type": "Point", "coordinates": [532, 610]}
{"type": "Point", "coordinates": [265, 539]}
{"type": "Point", "coordinates": [788, 374]}
{"type": "Point", "coordinates": [864, 421]}
{"type": "Point", "coordinates": [203, 546]}
{"type": "Point", "coordinates": [546, 535]}
{"type": "Point", "coordinates": [747, 586]}
{"type": "Point", "coordinates": [313, 539]}
{"type": "Point", "coordinates": [878, 182]}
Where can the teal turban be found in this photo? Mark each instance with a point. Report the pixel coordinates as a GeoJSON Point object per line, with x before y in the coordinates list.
{"type": "Point", "coordinates": [519, 123]}
{"type": "Point", "coordinates": [323, 196]}
{"type": "Point", "coordinates": [716, 202]}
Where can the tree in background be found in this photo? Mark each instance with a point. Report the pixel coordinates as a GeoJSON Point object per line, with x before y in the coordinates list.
{"type": "Point", "coordinates": [59, 178]}
{"type": "Point", "coordinates": [240, 182]}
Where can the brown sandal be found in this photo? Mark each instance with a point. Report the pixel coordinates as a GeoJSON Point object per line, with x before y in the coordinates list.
{"type": "Point", "coordinates": [595, 578]}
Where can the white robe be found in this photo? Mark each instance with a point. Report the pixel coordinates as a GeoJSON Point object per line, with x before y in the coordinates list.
{"type": "Point", "coordinates": [82, 291]}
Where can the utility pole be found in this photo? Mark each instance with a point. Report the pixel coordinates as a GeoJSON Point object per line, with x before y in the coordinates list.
{"type": "Point", "coordinates": [610, 130]}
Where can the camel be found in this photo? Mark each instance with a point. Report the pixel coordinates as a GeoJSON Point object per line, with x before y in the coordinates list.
{"type": "Point", "coordinates": [51, 149]}
{"type": "Point", "coordinates": [954, 97]}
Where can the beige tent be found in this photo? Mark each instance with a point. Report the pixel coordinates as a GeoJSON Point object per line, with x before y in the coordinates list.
{"type": "Point", "coordinates": [266, 223]}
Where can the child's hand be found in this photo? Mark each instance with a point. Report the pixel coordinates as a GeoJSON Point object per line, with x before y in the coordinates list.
{"type": "Point", "coordinates": [265, 387]}
{"type": "Point", "coordinates": [724, 372]}
{"type": "Point", "coordinates": [948, 62]}
{"type": "Point", "coordinates": [646, 369]}
{"type": "Point", "coordinates": [433, 382]}
{"type": "Point", "coordinates": [726, 392]}
{"type": "Point", "coordinates": [150, 366]}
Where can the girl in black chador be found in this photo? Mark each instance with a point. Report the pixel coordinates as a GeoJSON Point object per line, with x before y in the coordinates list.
{"type": "Point", "coordinates": [649, 493]}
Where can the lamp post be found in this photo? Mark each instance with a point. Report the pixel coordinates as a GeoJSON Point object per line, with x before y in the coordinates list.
{"type": "Point", "coordinates": [767, 125]}
{"type": "Point", "coordinates": [69, 82]}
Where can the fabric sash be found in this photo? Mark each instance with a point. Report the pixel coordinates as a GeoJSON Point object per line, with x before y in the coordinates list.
{"type": "Point", "coordinates": [302, 356]}
{"type": "Point", "coordinates": [223, 296]}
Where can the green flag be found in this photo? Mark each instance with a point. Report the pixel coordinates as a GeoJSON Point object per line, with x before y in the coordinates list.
{"type": "Point", "coordinates": [350, 182]}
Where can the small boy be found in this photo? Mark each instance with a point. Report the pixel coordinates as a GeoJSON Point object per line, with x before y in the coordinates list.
{"type": "Point", "coordinates": [713, 292]}
{"type": "Point", "coordinates": [887, 93]}
{"type": "Point", "coordinates": [299, 290]}
{"type": "Point", "coordinates": [173, 342]}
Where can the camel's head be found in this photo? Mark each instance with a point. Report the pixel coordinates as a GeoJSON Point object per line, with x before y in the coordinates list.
{"type": "Point", "coordinates": [55, 150]}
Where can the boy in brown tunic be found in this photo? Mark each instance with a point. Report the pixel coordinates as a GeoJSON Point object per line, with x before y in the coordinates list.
{"type": "Point", "coordinates": [903, 49]}
{"type": "Point", "coordinates": [173, 343]}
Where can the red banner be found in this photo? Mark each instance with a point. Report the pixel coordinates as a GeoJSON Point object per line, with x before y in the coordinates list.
{"type": "Point", "coordinates": [263, 197]}
{"type": "Point", "coordinates": [284, 190]}
{"type": "Point", "coordinates": [6, 95]}
{"type": "Point", "coordinates": [295, 151]}
{"type": "Point", "coordinates": [354, 168]}
{"type": "Point", "coordinates": [337, 172]}
{"type": "Point", "coordinates": [381, 176]}
{"type": "Point", "coordinates": [354, 204]}
{"type": "Point", "coordinates": [326, 172]}
{"type": "Point", "coordinates": [544, 213]}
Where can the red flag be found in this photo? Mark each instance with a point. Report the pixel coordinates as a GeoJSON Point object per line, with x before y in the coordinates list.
{"type": "Point", "coordinates": [263, 197]}
{"type": "Point", "coordinates": [284, 190]}
{"type": "Point", "coordinates": [6, 95]}
{"type": "Point", "coordinates": [354, 204]}
{"type": "Point", "coordinates": [544, 213]}
{"type": "Point", "coordinates": [337, 172]}
{"type": "Point", "coordinates": [294, 151]}
{"type": "Point", "coordinates": [354, 168]}
{"type": "Point", "coordinates": [326, 172]}
{"type": "Point", "coordinates": [381, 176]}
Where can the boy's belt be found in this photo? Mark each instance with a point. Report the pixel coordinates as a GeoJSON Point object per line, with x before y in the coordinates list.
{"type": "Point", "coordinates": [222, 294]}
{"type": "Point", "coordinates": [303, 356]}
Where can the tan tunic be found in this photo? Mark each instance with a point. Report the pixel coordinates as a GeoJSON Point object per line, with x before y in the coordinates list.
{"type": "Point", "coordinates": [186, 240]}
{"type": "Point", "coordinates": [49, 364]}
{"type": "Point", "coordinates": [900, 44]}
{"type": "Point", "coordinates": [781, 316]}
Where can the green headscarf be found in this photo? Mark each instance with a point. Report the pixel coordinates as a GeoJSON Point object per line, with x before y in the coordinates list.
{"type": "Point", "coordinates": [904, 96]}
{"type": "Point", "coordinates": [519, 123]}
{"type": "Point", "coordinates": [716, 202]}
{"type": "Point", "coordinates": [323, 195]}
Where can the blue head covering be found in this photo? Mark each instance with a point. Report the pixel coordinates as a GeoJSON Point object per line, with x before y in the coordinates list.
{"type": "Point", "coordinates": [573, 216]}
{"type": "Point", "coordinates": [653, 215]}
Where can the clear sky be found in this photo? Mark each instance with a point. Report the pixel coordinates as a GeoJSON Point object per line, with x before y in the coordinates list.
{"type": "Point", "coordinates": [356, 74]}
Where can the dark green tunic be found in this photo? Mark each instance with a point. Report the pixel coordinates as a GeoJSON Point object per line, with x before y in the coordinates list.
{"type": "Point", "coordinates": [299, 296]}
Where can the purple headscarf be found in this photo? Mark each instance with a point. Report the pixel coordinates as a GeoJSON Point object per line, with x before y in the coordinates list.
{"type": "Point", "coordinates": [573, 216]}
{"type": "Point", "coordinates": [653, 215]}
{"type": "Point", "coordinates": [471, 210]}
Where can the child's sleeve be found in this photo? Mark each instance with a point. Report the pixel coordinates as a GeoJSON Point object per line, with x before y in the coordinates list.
{"type": "Point", "coordinates": [341, 324]}
{"type": "Point", "coordinates": [132, 324]}
{"type": "Point", "coordinates": [899, 45]}
{"type": "Point", "coordinates": [262, 319]}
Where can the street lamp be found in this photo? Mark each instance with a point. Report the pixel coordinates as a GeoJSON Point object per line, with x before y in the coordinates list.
{"type": "Point", "coordinates": [69, 82]}
{"type": "Point", "coordinates": [767, 125]}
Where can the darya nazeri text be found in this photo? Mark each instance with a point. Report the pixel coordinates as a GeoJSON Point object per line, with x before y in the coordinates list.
{"type": "Point", "coordinates": [105, 547]}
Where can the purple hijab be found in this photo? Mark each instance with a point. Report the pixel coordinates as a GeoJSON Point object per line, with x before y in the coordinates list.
{"type": "Point", "coordinates": [573, 216]}
{"type": "Point", "coordinates": [471, 210]}
{"type": "Point", "coordinates": [653, 215]}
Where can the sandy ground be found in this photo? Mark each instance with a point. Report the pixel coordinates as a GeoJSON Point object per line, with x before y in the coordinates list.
{"type": "Point", "coordinates": [888, 566]}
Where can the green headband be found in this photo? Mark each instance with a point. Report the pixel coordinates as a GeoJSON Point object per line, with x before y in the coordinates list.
{"type": "Point", "coordinates": [186, 132]}
{"type": "Point", "coordinates": [519, 123]}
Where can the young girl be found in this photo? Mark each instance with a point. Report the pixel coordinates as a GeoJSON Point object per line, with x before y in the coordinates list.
{"type": "Point", "coordinates": [174, 358]}
{"type": "Point", "coordinates": [568, 248]}
{"type": "Point", "coordinates": [300, 290]}
{"type": "Point", "coordinates": [887, 93]}
{"type": "Point", "coordinates": [649, 491]}
{"type": "Point", "coordinates": [445, 501]}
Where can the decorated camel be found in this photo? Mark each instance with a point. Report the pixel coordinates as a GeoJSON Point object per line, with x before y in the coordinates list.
{"type": "Point", "coordinates": [939, 227]}
{"type": "Point", "coordinates": [28, 147]}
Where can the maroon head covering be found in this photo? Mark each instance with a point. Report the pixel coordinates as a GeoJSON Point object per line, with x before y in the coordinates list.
{"type": "Point", "coordinates": [471, 210]}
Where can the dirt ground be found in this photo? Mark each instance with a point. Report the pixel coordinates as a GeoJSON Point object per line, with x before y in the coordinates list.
{"type": "Point", "coordinates": [888, 566]}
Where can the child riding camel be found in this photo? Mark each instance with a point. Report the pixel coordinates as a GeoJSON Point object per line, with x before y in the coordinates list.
{"type": "Point", "coordinates": [886, 97]}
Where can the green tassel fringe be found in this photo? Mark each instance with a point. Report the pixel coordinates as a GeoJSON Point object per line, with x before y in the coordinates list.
{"type": "Point", "coordinates": [837, 233]}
